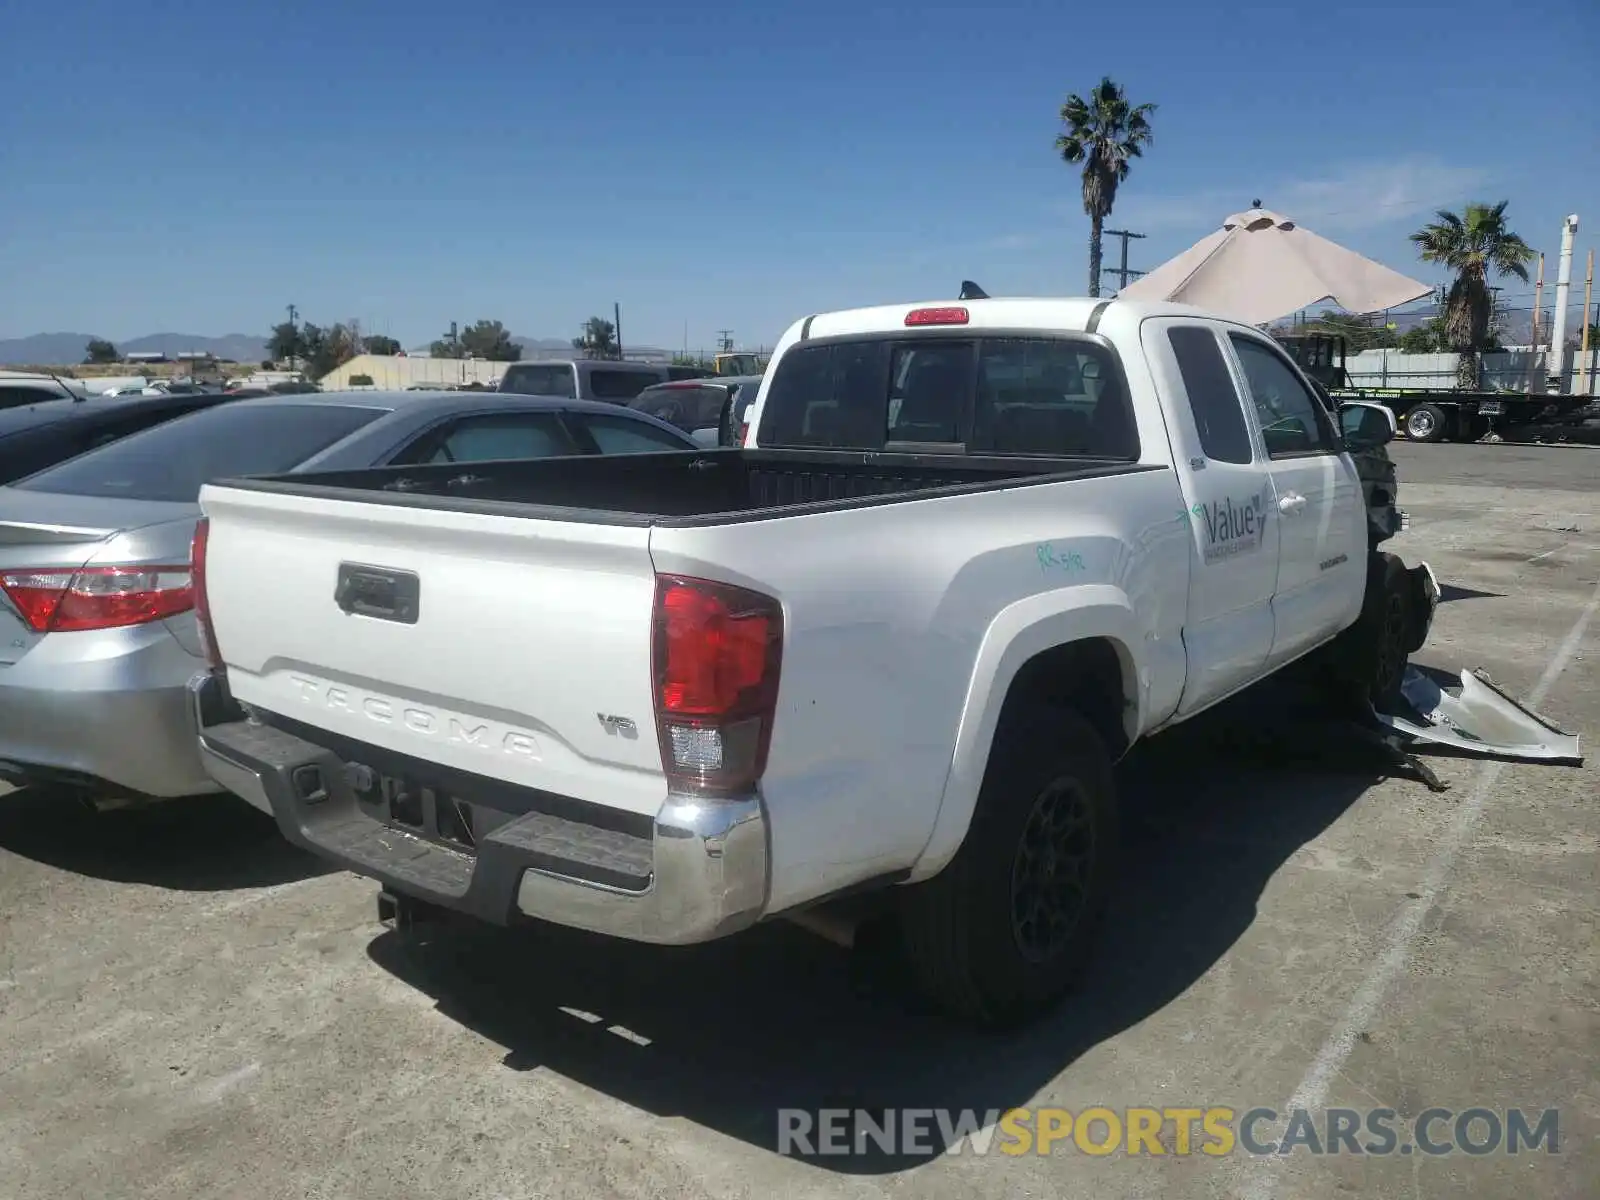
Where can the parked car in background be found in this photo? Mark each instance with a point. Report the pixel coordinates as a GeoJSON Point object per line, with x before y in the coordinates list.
{"type": "Point", "coordinates": [30, 387]}
{"type": "Point", "coordinates": [583, 378]}
{"type": "Point", "coordinates": [36, 436]}
{"type": "Point", "coordinates": [696, 406]}
{"type": "Point", "coordinates": [97, 633]}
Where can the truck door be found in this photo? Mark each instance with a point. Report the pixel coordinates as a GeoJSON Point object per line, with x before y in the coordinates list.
{"type": "Point", "coordinates": [1316, 498]}
{"type": "Point", "coordinates": [1233, 534]}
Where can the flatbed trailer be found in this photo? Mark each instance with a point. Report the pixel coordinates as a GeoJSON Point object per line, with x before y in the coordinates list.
{"type": "Point", "coordinates": [1446, 415]}
{"type": "Point", "coordinates": [1432, 414]}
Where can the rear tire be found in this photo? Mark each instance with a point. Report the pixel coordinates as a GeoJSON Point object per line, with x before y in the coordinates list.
{"type": "Point", "coordinates": [1005, 930]}
{"type": "Point", "coordinates": [1426, 423]}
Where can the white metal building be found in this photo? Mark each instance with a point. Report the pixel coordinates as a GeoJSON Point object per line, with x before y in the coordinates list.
{"type": "Point", "coordinates": [396, 373]}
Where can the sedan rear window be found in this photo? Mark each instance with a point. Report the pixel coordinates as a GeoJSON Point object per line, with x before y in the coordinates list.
{"type": "Point", "coordinates": [172, 461]}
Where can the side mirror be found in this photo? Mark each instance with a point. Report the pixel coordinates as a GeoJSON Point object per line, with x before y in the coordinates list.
{"type": "Point", "coordinates": [1366, 426]}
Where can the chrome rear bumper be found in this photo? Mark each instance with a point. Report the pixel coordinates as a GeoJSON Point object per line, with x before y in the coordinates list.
{"type": "Point", "coordinates": [700, 871]}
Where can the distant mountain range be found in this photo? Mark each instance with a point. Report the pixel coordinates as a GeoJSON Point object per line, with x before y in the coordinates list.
{"type": "Point", "coordinates": [67, 349]}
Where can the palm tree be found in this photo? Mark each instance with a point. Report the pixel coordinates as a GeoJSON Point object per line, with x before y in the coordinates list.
{"type": "Point", "coordinates": [1105, 134]}
{"type": "Point", "coordinates": [1472, 245]}
{"type": "Point", "coordinates": [598, 340]}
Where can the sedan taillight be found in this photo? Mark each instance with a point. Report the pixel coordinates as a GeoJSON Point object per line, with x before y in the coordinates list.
{"type": "Point", "coordinates": [52, 600]}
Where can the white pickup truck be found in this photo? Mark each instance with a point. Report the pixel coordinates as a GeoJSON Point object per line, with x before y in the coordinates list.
{"type": "Point", "coordinates": [965, 556]}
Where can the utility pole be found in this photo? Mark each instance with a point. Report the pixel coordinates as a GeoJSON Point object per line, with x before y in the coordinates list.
{"type": "Point", "coordinates": [1122, 273]}
{"type": "Point", "coordinates": [725, 341]}
{"type": "Point", "coordinates": [294, 334]}
{"type": "Point", "coordinates": [1538, 305]}
{"type": "Point", "coordinates": [1583, 347]}
{"type": "Point", "coordinates": [616, 321]}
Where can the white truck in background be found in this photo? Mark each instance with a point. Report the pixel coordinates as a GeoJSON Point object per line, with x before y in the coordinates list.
{"type": "Point", "coordinates": [967, 556]}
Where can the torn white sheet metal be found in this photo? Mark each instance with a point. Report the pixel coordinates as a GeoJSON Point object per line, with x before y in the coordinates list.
{"type": "Point", "coordinates": [1482, 719]}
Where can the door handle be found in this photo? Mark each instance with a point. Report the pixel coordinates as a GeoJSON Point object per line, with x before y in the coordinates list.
{"type": "Point", "coordinates": [1291, 504]}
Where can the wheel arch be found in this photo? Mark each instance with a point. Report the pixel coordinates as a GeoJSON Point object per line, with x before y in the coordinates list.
{"type": "Point", "coordinates": [1081, 656]}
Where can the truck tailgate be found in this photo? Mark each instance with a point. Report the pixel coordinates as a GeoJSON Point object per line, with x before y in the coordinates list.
{"type": "Point", "coordinates": [513, 648]}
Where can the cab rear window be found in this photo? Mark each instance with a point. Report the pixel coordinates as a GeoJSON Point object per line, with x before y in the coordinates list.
{"type": "Point", "coordinates": [540, 379]}
{"type": "Point", "coordinates": [999, 395]}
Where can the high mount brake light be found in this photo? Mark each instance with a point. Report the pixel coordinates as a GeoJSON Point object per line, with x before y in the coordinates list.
{"type": "Point", "coordinates": [202, 602]}
{"type": "Point", "coordinates": [55, 600]}
{"type": "Point", "coordinates": [716, 651]}
{"type": "Point", "coordinates": [936, 316]}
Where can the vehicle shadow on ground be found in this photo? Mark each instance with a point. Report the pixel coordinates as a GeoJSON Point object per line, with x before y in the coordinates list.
{"type": "Point", "coordinates": [1450, 592]}
{"type": "Point", "coordinates": [198, 844]}
{"type": "Point", "coordinates": [728, 1033]}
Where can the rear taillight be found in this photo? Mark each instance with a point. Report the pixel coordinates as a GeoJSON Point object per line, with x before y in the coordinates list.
{"type": "Point", "coordinates": [68, 601]}
{"type": "Point", "coordinates": [202, 603]}
{"type": "Point", "coordinates": [716, 650]}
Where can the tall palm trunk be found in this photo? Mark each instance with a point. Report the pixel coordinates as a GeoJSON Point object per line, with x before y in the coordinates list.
{"type": "Point", "coordinates": [1467, 371]}
{"type": "Point", "coordinates": [1096, 222]}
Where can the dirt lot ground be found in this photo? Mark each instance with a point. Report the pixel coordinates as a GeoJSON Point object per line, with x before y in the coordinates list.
{"type": "Point", "coordinates": [188, 1008]}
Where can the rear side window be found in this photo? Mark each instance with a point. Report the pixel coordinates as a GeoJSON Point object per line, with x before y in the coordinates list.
{"type": "Point", "coordinates": [483, 439]}
{"type": "Point", "coordinates": [173, 460]}
{"type": "Point", "coordinates": [607, 384]}
{"type": "Point", "coordinates": [540, 379]}
{"type": "Point", "coordinates": [1218, 412]}
{"type": "Point", "coordinates": [620, 435]}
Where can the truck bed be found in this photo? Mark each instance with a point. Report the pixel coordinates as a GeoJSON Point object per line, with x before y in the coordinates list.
{"type": "Point", "coordinates": [679, 489]}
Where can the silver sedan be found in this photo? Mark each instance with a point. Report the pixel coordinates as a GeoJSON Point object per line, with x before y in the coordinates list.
{"type": "Point", "coordinates": [97, 631]}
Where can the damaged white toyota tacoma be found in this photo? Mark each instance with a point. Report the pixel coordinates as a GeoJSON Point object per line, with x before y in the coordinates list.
{"type": "Point", "coordinates": [966, 555]}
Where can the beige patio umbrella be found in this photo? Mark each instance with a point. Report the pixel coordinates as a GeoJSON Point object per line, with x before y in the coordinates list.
{"type": "Point", "coordinates": [1260, 266]}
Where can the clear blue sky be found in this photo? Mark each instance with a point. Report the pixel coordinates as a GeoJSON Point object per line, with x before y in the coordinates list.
{"type": "Point", "coordinates": [194, 167]}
